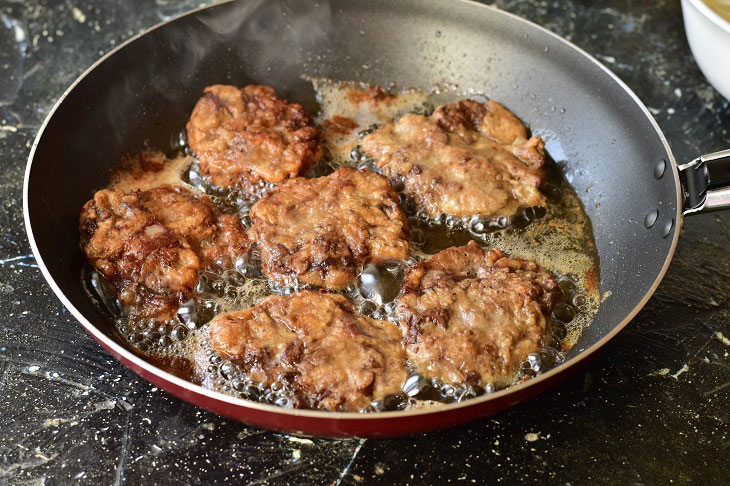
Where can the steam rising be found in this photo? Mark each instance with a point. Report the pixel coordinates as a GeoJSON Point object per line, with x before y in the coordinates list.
{"type": "Point", "coordinates": [257, 37]}
{"type": "Point", "coordinates": [157, 79]}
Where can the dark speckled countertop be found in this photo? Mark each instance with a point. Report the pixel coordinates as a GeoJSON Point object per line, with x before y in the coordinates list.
{"type": "Point", "coordinates": [653, 408]}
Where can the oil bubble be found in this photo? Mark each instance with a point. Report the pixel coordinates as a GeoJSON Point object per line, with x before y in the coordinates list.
{"type": "Point", "coordinates": [237, 384]}
{"type": "Point", "coordinates": [451, 222]}
{"type": "Point", "coordinates": [559, 329]}
{"type": "Point", "coordinates": [252, 392]}
{"type": "Point", "coordinates": [568, 287]}
{"type": "Point", "coordinates": [179, 333]}
{"type": "Point", "coordinates": [284, 402]}
{"type": "Point", "coordinates": [225, 370]}
{"type": "Point", "coordinates": [186, 313]}
{"type": "Point", "coordinates": [526, 371]}
{"type": "Point", "coordinates": [551, 357]}
{"type": "Point", "coordinates": [579, 300]}
{"type": "Point", "coordinates": [378, 284]}
{"type": "Point", "coordinates": [535, 362]}
{"type": "Point", "coordinates": [151, 335]}
{"type": "Point", "coordinates": [551, 340]}
{"type": "Point", "coordinates": [399, 401]}
{"type": "Point", "coordinates": [368, 307]}
{"type": "Point", "coordinates": [414, 384]}
{"type": "Point", "coordinates": [564, 312]}
{"type": "Point", "coordinates": [105, 292]}
{"type": "Point", "coordinates": [469, 391]}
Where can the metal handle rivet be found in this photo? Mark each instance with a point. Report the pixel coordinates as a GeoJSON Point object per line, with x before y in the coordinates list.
{"type": "Point", "coordinates": [650, 218]}
{"type": "Point", "coordinates": [667, 228]}
{"type": "Point", "coordinates": [659, 169]}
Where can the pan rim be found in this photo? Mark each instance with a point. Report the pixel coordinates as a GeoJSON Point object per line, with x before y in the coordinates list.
{"type": "Point", "coordinates": [127, 357]}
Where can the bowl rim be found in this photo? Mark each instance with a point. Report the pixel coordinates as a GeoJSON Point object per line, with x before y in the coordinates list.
{"type": "Point", "coordinates": [711, 15]}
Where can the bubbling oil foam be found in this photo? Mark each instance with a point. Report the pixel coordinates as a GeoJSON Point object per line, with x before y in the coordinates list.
{"type": "Point", "coordinates": [558, 237]}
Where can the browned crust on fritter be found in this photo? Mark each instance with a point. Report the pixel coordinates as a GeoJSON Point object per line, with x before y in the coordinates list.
{"type": "Point", "coordinates": [491, 119]}
{"type": "Point", "coordinates": [321, 231]}
{"type": "Point", "coordinates": [369, 94]}
{"type": "Point", "coordinates": [339, 125]}
{"type": "Point", "coordinates": [466, 159]}
{"type": "Point", "coordinates": [471, 316]}
{"type": "Point", "coordinates": [151, 245]}
{"type": "Point", "coordinates": [218, 238]}
{"type": "Point", "coordinates": [334, 358]}
{"type": "Point", "coordinates": [246, 136]}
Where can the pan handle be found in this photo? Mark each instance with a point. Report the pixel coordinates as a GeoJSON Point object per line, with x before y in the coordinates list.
{"type": "Point", "coordinates": [706, 183]}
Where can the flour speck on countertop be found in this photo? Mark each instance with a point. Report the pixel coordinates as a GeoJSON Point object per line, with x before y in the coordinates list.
{"type": "Point", "coordinates": [650, 408]}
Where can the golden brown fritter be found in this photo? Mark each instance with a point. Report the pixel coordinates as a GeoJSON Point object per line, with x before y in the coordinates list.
{"type": "Point", "coordinates": [218, 238]}
{"type": "Point", "coordinates": [321, 231]}
{"type": "Point", "coordinates": [466, 159]}
{"type": "Point", "coordinates": [248, 136]}
{"type": "Point", "coordinates": [151, 245]}
{"type": "Point", "coordinates": [334, 358]}
{"type": "Point", "coordinates": [471, 316]}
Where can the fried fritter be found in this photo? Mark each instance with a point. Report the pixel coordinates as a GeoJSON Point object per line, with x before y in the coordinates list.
{"type": "Point", "coordinates": [248, 137]}
{"type": "Point", "coordinates": [466, 159]}
{"type": "Point", "coordinates": [471, 316]}
{"type": "Point", "coordinates": [216, 237]}
{"type": "Point", "coordinates": [331, 357]}
{"type": "Point", "coordinates": [321, 231]}
{"type": "Point", "coordinates": [151, 245]}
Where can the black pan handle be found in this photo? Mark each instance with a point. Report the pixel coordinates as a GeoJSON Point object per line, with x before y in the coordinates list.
{"type": "Point", "coordinates": [706, 183]}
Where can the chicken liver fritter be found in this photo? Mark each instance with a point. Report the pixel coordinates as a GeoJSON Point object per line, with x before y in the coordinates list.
{"type": "Point", "coordinates": [331, 357]}
{"type": "Point", "coordinates": [471, 316]}
{"type": "Point", "coordinates": [321, 231]}
{"type": "Point", "coordinates": [466, 159]}
{"type": "Point", "coordinates": [247, 137]}
{"type": "Point", "coordinates": [151, 245]}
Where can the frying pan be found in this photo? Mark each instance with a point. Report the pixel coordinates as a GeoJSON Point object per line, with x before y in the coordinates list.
{"type": "Point", "coordinates": [606, 142]}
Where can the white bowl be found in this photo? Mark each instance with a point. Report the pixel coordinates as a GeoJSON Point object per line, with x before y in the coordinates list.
{"type": "Point", "coordinates": [709, 38]}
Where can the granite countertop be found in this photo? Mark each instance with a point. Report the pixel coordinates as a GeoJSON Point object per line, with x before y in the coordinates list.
{"type": "Point", "coordinates": [651, 408]}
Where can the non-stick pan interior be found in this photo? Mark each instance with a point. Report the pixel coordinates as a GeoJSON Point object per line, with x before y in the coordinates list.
{"type": "Point", "coordinates": [141, 96]}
